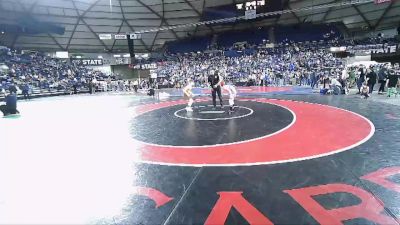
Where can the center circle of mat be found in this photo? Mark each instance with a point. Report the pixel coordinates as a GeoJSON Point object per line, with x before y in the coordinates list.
{"type": "Point", "coordinates": [207, 113]}
{"type": "Point", "coordinates": [205, 126]}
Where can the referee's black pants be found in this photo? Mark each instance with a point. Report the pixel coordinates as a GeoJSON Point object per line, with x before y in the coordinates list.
{"type": "Point", "coordinates": [382, 85]}
{"type": "Point", "coordinates": [214, 93]}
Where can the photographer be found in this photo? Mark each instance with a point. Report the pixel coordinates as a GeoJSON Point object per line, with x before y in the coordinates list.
{"type": "Point", "coordinates": [11, 104]}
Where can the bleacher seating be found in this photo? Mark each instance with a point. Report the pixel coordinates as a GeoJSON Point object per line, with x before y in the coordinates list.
{"type": "Point", "coordinates": [41, 75]}
{"type": "Point", "coordinates": [256, 36]}
{"type": "Point", "coordinates": [305, 32]}
{"type": "Point", "coordinates": [189, 45]}
{"type": "Point", "coordinates": [253, 37]}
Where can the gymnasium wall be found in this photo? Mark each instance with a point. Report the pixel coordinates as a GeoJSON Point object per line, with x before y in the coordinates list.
{"type": "Point", "coordinates": [128, 73]}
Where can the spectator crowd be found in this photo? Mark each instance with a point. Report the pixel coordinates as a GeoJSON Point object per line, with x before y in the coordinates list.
{"type": "Point", "coordinates": [289, 63]}
{"type": "Point", "coordinates": [28, 71]}
{"type": "Point", "coordinates": [311, 64]}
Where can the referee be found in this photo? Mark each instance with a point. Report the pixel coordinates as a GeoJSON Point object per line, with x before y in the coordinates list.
{"type": "Point", "coordinates": [215, 83]}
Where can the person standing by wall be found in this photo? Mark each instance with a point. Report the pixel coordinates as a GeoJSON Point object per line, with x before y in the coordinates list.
{"type": "Point", "coordinates": [361, 78]}
{"type": "Point", "coordinates": [343, 81]}
{"type": "Point", "coordinates": [382, 76]}
{"type": "Point", "coordinates": [314, 79]}
{"type": "Point", "coordinates": [371, 79]}
{"type": "Point", "coordinates": [90, 87]}
{"type": "Point", "coordinates": [352, 77]}
{"type": "Point", "coordinates": [266, 77]}
{"type": "Point", "coordinates": [25, 91]}
{"type": "Point", "coordinates": [135, 85]}
{"type": "Point", "coordinates": [391, 83]}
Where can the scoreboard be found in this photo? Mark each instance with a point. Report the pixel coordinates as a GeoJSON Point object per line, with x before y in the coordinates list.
{"type": "Point", "coordinates": [251, 5]}
{"type": "Point", "coordinates": [240, 9]}
{"type": "Point", "coordinates": [261, 6]}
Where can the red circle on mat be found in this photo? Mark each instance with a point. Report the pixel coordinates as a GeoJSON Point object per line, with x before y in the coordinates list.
{"type": "Point", "coordinates": [319, 130]}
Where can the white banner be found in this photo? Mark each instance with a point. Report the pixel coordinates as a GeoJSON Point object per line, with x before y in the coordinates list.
{"type": "Point", "coordinates": [88, 62]}
{"type": "Point", "coordinates": [122, 61]}
{"type": "Point", "coordinates": [270, 45]}
{"type": "Point", "coordinates": [136, 36]}
{"type": "Point", "coordinates": [145, 66]}
{"type": "Point", "coordinates": [120, 37]}
{"type": "Point", "coordinates": [105, 36]}
{"type": "Point", "coordinates": [250, 14]}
